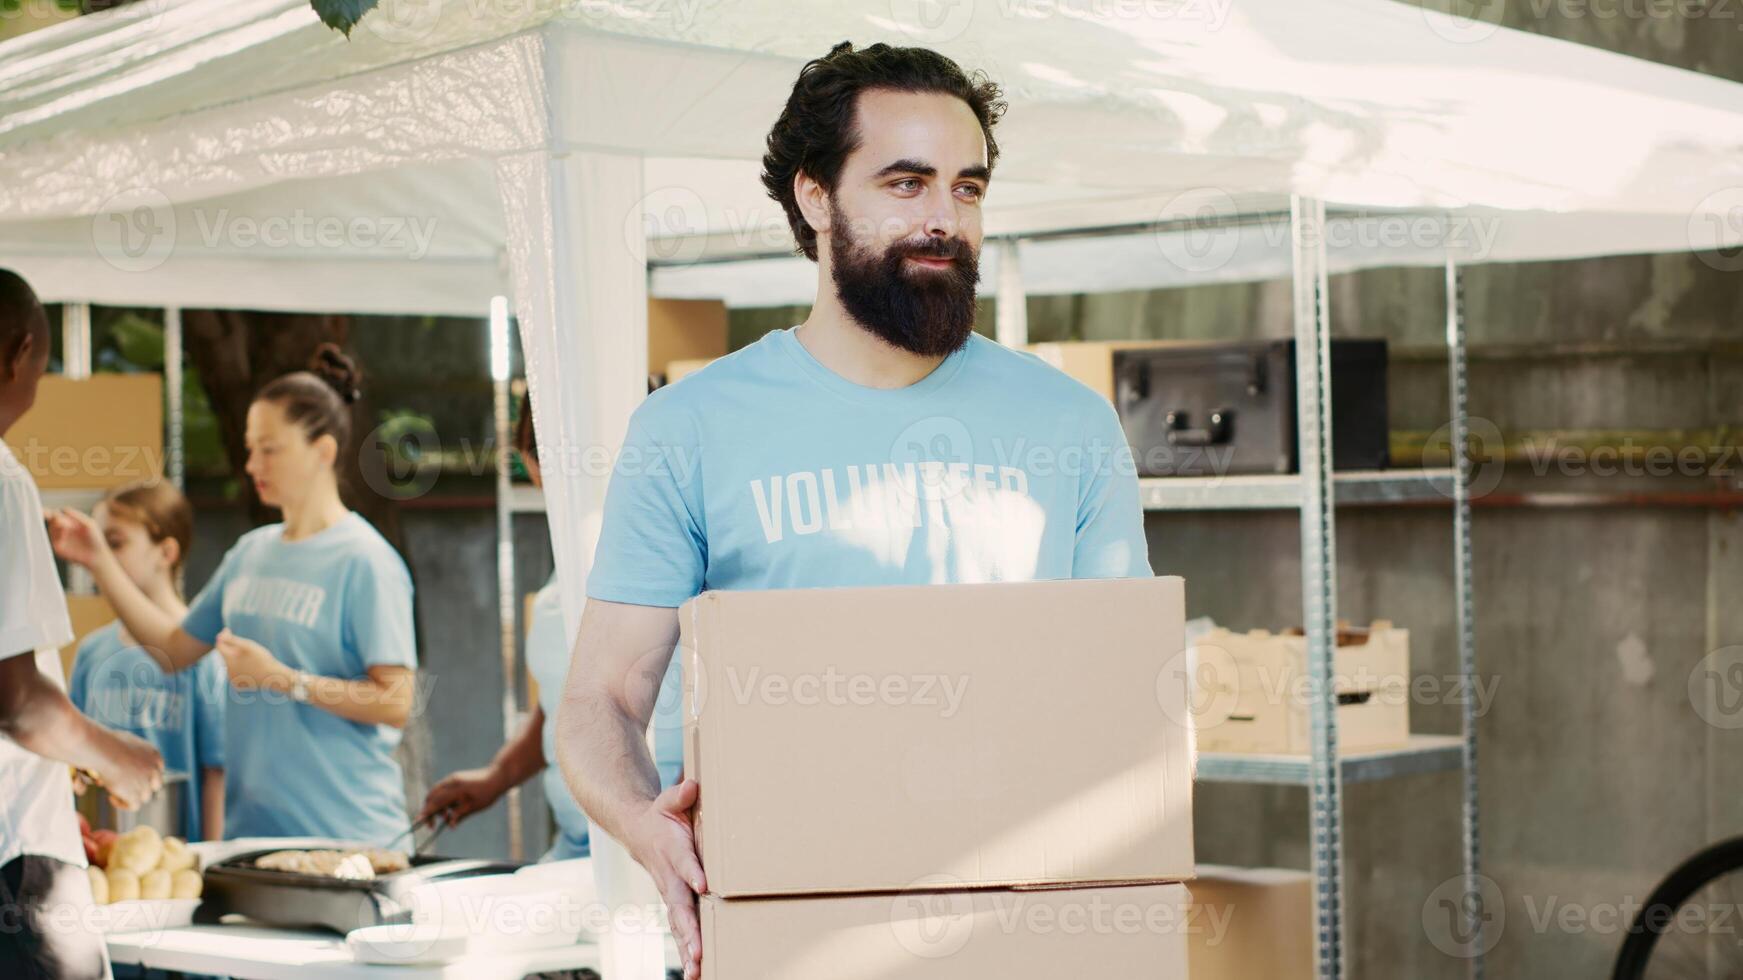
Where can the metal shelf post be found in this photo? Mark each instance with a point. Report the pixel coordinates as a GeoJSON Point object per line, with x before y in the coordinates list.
{"type": "Point", "coordinates": [1319, 568]}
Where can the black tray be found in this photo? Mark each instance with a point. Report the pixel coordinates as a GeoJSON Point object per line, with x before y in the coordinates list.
{"type": "Point", "coordinates": [286, 898]}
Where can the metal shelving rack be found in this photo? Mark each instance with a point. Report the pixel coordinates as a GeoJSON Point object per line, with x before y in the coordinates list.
{"type": "Point", "coordinates": [1317, 492]}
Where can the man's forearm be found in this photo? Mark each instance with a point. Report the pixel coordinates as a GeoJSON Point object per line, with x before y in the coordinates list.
{"type": "Point", "coordinates": [523, 756]}
{"type": "Point", "coordinates": [40, 719]}
{"type": "Point", "coordinates": [604, 757]}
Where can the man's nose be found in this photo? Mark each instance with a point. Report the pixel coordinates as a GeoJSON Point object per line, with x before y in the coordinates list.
{"type": "Point", "coordinates": [941, 215]}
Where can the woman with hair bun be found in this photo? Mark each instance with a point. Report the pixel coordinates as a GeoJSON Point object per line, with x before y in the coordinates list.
{"type": "Point", "coordinates": [313, 619]}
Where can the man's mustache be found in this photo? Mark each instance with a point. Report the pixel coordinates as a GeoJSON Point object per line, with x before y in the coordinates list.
{"type": "Point", "coordinates": [954, 249]}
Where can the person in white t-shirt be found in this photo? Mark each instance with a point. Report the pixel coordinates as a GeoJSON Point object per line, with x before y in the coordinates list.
{"type": "Point", "coordinates": [43, 883]}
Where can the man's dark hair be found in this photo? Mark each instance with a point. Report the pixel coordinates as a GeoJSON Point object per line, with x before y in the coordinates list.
{"type": "Point", "coordinates": [815, 133]}
{"type": "Point", "coordinates": [21, 315]}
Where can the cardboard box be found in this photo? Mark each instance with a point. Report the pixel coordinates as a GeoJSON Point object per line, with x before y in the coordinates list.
{"type": "Point", "coordinates": [1107, 932]}
{"type": "Point", "coordinates": [863, 739]}
{"type": "Point", "coordinates": [677, 370]}
{"type": "Point", "coordinates": [1251, 922]}
{"type": "Point", "coordinates": [89, 614]}
{"type": "Point", "coordinates": [683, 330]}
{"type": "Point", "coordinates": [95, 434]}
{"type": "Point", "coordinates": [1090, 361]}
{"type": "Point", "coordinates": [1252, 693]}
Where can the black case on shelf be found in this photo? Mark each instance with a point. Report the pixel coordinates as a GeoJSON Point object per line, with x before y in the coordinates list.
{"type": "Point", "coordinates": [1226, 408]}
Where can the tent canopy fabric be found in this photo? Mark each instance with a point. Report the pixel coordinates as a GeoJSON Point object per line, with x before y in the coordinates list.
{"type": "Point", "coordinates": [261, 140]}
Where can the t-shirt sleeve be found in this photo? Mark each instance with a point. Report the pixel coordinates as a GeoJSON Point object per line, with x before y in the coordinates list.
{"type": "Point", "coordinates": [211, 688]}
{"type": "Point", "coordinates": [652, 547]}
{"type": "Point", "coordinates": [205, 618]}
{"type": "Point", "coordinates": [33, 606]}
{"type": "Point", "coordinates": [378, 612]}
{"type": "Point", "coordinates": [1110, 518]}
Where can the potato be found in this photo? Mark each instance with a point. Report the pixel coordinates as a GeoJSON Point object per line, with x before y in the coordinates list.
{"type": "Point", "coordinates": [154, 885]}
{"type": "Point", "coordinates": [137, 852]}
{"type": "Point", "coordinates": [123, 885]}
{"type": "Point", "coordinates": [176, 855]}
{"type": "Point", "coordinates": [186, 883]}
{"type": "Point", "coordinates": [99, 885]}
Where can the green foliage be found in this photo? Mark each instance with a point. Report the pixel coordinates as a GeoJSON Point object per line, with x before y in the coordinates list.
{"type": "Point", "coordinates": [342, 15]}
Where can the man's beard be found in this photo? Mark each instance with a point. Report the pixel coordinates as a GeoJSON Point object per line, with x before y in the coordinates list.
{"type": "Point", "coordinates": [926, 311]}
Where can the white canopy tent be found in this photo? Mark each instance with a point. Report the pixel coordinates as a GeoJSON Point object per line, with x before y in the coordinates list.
{"type": "Point", "coordinates": [236, 153]}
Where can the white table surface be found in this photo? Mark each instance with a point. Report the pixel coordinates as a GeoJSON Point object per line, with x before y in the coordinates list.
{"type": "Point", "coordinates": [257, 952]}
{"type": "Point", "coordinates": [261, 953]}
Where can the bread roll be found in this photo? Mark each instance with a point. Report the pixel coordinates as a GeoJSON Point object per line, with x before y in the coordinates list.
{"type": "Point", "coordinates": [139, 850]}
{"type": "Point", "coordinates": [154, 885]}
{"type": "Point", "coordinates": [176, 855]}
{"type": "Point", "coordinates": [186, 883]}
{"type": "Point", "coordinates": [99, 885]}
{"type": "Point", "coordinates": [123, 885]}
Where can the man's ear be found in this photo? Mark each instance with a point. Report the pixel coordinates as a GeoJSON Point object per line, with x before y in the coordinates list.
{"type": "Point", "coordinates": [813, 201]}
{"type": "Point", "coordinates": [16, 359]}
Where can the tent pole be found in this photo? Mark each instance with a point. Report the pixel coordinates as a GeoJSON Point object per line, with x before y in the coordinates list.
{"type": "Point", "coordinates": [1012, 311]}
{"type": "Point", "coordinates": [579, 266]}
{"type": "Point", "coordinates": [505, 584]}
{"type": "Point", "coordinates": [76, 341]}
{"type": "Point", "coordinates": [174, 463]}
{"type": "Point", "coordinates": [1319, 569]}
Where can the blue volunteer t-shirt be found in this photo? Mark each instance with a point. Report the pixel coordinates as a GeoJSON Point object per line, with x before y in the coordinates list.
{"type": "Point", "coordinates": [333, 604]}
{"type": "Point", "coordinates": [767, 470]}
{"type": "Point", "coordinates": [119, 686]}
{"type": "Point", "coordinates": [548, 650]}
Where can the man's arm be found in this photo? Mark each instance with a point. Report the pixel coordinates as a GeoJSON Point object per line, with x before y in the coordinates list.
{"type": "Point", "coordinates": [621, 654]}
{"type": "Point", "coordinates": [36, 714]}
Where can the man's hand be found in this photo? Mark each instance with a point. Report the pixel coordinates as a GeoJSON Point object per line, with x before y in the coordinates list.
{"type": "Point", "coordinates": [662, 841]}
{"type": "Point", "coordinates": [462, 794]}
{"type": "Point", "coordinates": [132, 769]}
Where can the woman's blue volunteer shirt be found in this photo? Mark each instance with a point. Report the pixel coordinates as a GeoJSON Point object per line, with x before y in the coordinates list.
{"type": "Point", "coordinates": [119, 686]}
{"type": "Point", "coordinates": [767, 470]}
{"type": "Point", "coordinates": [333, 604]}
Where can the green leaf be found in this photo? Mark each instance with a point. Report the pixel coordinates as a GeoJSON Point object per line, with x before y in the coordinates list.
{"type": "Point", "coordinates": [342, 15]}
{"type": "Point", "coordinates": [139, 340]}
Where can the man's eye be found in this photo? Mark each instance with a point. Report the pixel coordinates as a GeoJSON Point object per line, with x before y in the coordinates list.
{"type": "Point", "coordinates": [907, 183]}
{"type": "Point", "coordinates": [973, 190]}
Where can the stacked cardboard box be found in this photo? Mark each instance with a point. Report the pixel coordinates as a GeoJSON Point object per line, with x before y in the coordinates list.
{"type": "Point", "coordinates": [94, 433]}
{"type": "Point", "coordinates": [941, 781]}
{"type": "Point", "coordinates": [1251, 922]}
{"type": "Point", "coordinates": [1253, 693]}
